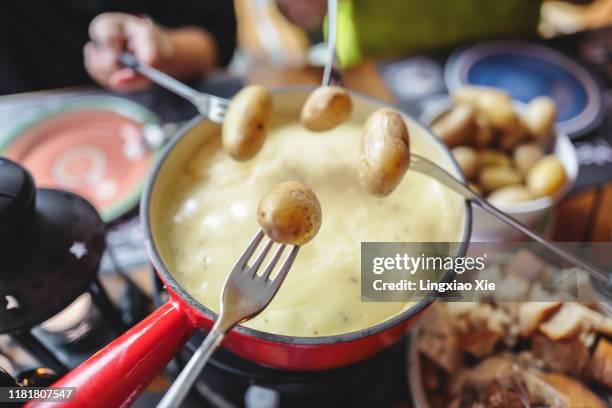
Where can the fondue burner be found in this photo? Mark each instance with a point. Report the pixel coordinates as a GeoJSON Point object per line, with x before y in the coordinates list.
{"type": "Point", "coordinates": [229, 380]}
{"type": "Point", "coordinates": [377, 381]}
{"type": "Point", "coordinates": [51, 243]}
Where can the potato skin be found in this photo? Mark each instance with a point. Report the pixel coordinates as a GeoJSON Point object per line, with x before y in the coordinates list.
{"type": "Point", "coordinates": [384, 155]}
{"type": "Point", "coordinates": [492, 157]}
{"type": "Point", "coordinates": [540, 116]}
{"type": "Point", "coordinates": [546, 177]}
{"type": "Point", "coordinates": [493, 103]}
{"type": "Point", "coordinates": [325, 108]}
{"type": "Point", "coordinates": [510, 195]}
{"type": "Point", "coordinates": [246, 122]}
{"type": "Point", "coordinates": [525, 156]}
{"type": "Point", "coordinates": [290, 213]}
{"type": "Point", "coordinates": [483, 136]}
{"type": "Point", "coordinates": [495, 177]}
{"type": "Point", "coordinates": [467, 158]}
{"type": "Point", "coordinates": [456, 127]}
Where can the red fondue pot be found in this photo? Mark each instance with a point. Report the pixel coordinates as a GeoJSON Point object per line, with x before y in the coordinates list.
{"type": "Point", "coordinates": [118, 373]}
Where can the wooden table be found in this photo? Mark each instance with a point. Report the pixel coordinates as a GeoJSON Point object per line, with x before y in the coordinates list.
{"type": "Point", "coordinates": [582, 217]}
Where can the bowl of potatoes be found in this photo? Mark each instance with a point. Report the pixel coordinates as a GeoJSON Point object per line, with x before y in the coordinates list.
{"type": "Point", "coordinates": [510, 152]}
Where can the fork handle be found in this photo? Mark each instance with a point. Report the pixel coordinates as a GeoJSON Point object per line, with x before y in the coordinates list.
{"type": "Point", "coordinates": [332, 74]}
{"type": "Point", "coordinates": [162, 79]}
{"type": "Point", "coordinates": [183, 383]}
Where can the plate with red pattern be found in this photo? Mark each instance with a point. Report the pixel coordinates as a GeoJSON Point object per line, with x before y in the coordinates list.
{"type": "Point", "coordinates": [94, 146]}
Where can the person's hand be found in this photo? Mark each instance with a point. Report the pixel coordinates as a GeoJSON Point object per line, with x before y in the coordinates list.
{"type": "Point", "coordinates": [112, 33]}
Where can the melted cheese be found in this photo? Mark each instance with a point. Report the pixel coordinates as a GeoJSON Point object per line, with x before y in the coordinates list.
{"type": "Point", "coordinates": [212, 216]}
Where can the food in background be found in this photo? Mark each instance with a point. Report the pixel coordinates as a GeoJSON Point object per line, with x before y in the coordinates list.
{"type": "Point", "coordinates": [512, 352]}
{"type": "Point", "coordinates": [526, 155]}
{"type": "Point", "coordinates": [384, 155]}
{"type": "Point", "coordinates": [492, 103]}
{"type": "Point", "coordinates": [492, 178]}
{"type": "Point", "coordinates": [290, 213]}
{"type": "Point", "coordinates": [501, 152]}
{"type": "Point", "coordinates": [457, 126]}
{"type": "Point", "coordinates": [246, 122]}
{"type": "Point", "coordinates": [510, 194]}
{"type": "Point", "coordinates": [325, 108]}
{"type": "Point", "coordinates": [467, 159]}
{"type": "Point", "coordinates": [546, 176]}
{"type": "Point", "coordinates": [540, 117]}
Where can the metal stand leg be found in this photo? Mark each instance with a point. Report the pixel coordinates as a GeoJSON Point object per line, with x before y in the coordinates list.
{"type": "Point", "coordinates": [29, 342]}
{"type": "Point", "coordinates": [106, 306]}
{"type": "Point", "coordinates": [158, 288]}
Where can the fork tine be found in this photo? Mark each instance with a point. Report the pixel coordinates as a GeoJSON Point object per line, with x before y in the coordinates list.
{"type": "Point", "coordinates": [248, 252]}
{"type": "Point", "coordinates": [282, 273]}
{"type": "Point", "coordinates": [273, 262]}
{"type": "Point", "coordinates": [253, 269]}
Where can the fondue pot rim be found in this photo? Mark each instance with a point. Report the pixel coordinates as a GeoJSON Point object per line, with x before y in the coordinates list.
{"type": "Point", "coordinates": [185, 296]}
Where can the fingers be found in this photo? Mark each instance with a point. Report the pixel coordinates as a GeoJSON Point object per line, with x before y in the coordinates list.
{"type": "Point", "coordinates": [112, 33]}
{"type": "Point", "coordinates": [100, 62]}
{"type": "Point", "coordinates": [103, 66]}
{"type": "Point", "coordinates": [127, 80]}
{"type": "Point", "coordinates": [106, 30]}
{"type": "Point", "coordinates": [144, 41]}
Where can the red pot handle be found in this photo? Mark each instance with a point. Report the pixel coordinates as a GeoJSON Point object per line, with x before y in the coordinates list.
{"type": "Point", "coordinates": [117, 374]}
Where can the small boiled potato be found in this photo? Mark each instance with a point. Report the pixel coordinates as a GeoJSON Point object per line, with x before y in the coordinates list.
{"type": "Point", "coordinates": [246, 122]}
{"type": "Point", "coordinates": [290, 213]}
{"type": "Point", "coordinates": [539, 117]}
{"type": "Point", "coordinates": [384, 154]}
{"type": "Point", "coordinates": [495, 104]}
{"type": "Point", "coordinates": [510, 195]}
{"type": "Point", "coordinates": [491, 157]}
{"type": "Point", "coordinates": [525, 156]}
{"type": "Point", "coordinates": [467, 159]}
{"type": "Point", "coordinates": [546, 177]}
{"type": "Point", "coordinates": [513, 135]}
{"type": "Point", "coordinates": [483, 136]}
{"type": "Point", "coordinates": [325, 108]}
{"type": "Point", "coordinates": [495, 177]}
{"type": "Point", "coordinates": [457, 126]}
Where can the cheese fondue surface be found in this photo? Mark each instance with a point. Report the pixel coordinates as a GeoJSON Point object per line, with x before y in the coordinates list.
{"type": "Point", "coordinates": [211, 216]}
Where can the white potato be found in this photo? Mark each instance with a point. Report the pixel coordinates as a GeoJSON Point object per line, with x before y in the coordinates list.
{"type": "Point", "coordinates": [384, 155]}
{"type": "Point", "coordinates": [325, 108]}
{"type": "Point", "coordinates": [510, 195]}
{"type": "Point", "coordinates": [540, 116]}
{"type": "Point", "coordinates": [467, 159]}
{"type": "Point", "coordinates": [246, 122]}
{"type": "Point", "coordinates": [495, 104]}
{"type": "Point", "coordinates": [290, 213]}
{"type": "Point", "coordinates": [457, 126]}
{"type": "Point", "coordinates": [494, 177]}
{"type": "Point", "coordinates": [546, 177]}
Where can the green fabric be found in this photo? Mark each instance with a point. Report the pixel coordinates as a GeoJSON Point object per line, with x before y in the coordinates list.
{"type": "Point", "coordinates": [374, 28]}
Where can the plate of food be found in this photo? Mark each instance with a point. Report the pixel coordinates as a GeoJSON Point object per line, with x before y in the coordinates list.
{"type": "Point", "coordinates": [517, 349]}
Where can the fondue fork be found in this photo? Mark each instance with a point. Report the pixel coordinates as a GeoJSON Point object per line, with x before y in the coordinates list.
{"type": "Point", "coordinates": [332, 74]}
{"type": "Point", "coordinates": [245, 294]}
{"type": "Point", "coordinates": [426, 167]}
{"type": "Point", "coordinates": [212, 107]}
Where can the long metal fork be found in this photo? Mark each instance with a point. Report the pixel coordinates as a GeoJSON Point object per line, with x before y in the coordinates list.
{"type": "Point", "coordinates": [424, 166]}
{"type": "Point", "coordinates": [245, 294]}
{"type": "Point", "coordinates": [212, 107]}
{"type": "Point", "coordinates": [332, 74]}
